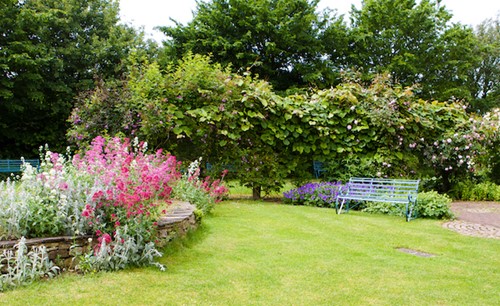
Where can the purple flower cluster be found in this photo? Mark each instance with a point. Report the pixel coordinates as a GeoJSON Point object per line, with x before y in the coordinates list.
{"type": "Point", "coordinates": [321, 194]}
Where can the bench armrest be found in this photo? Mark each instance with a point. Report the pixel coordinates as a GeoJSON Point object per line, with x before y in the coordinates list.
{"type": "Point", "coordinates": [343, 190]}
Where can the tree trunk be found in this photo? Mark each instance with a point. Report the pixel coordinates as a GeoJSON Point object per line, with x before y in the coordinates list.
{"type": "Point", "coordinates": [256, 192]}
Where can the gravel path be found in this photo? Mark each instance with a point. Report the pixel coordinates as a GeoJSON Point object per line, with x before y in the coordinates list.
{"type": "Point", "coordinates": [480, 219]}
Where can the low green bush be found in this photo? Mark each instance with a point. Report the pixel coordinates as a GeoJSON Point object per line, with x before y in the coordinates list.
{"type": "Point", "coordinates": [385, 208]}
{"type": "Point", "coordinates": [431, 205]}
{"type": "Point", "coordinates": [434, 205]}
{"type": "Point", "coordinates": [470, 191]}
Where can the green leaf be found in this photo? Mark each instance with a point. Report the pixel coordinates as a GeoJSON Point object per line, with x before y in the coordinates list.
{"type": "Point", "coordinates": [245, 127]}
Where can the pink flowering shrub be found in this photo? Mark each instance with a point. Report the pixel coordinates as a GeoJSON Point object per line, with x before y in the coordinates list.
{"type": "Point", "coordinates": [466, 149]}
{"type": "Point", "coordinates": [114, 191]}
{"type": "Point", "coordinates": [129, 187]}
{"type": "Point", "coordinates": [203, 192]}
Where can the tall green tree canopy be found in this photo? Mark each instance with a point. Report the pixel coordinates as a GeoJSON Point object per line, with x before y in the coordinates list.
{"type": "Point", "coordinates": [416, 44]}
{"type": "Point", "coordinates": [485, 77]}
{"type": "Point", "coordinates": [280, 39]}
{"type": "Point", "coordinates": [49, 51]}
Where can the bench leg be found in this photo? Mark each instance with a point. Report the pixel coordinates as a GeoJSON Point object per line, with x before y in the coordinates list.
{"type": "Point", "coordinates": [341, 205]}
{"type": "Point", "coordinates": [410, 207]}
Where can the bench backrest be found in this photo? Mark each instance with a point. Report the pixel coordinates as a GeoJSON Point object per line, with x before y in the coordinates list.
{"type": "Point", "coordinates": [14, 165]}
{"type": "Point", "coordinates": [392, 190]}
{"type": "Point", "coordinates": [318, 168]}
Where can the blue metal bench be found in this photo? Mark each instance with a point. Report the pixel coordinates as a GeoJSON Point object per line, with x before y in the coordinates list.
{"type": "Point", "coordinates": [318, 168]}
{"type": "Point", "coordinates": [14, 165]}
{"type": "Point", "coordinates": [380, 190]}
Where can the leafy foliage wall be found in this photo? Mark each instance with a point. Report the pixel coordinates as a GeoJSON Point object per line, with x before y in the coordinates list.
{"type": "Point", "coordinates": [200, 109]}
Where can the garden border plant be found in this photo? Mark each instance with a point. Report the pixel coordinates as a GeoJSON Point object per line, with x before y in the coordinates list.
{"type": "Point", "coordinates": [114, 191]}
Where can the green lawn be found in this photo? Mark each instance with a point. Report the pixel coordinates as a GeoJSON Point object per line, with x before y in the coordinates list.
{"type": "Point", "coordinates": [237, 191]}
{"type": "Point", "coordinates": [256, 253]}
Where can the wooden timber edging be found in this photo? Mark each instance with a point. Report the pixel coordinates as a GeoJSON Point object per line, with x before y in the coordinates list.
{"type": "Point", "coordinates": [64, 250]}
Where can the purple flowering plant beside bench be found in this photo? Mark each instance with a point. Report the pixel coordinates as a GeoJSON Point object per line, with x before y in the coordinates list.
{"type": "Point", "coordinates": [322, 194]}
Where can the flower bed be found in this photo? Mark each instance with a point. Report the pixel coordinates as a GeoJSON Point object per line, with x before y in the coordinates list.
{"type": "Point", "coordinates": [66, 250]}
{"type": "Point", "coordinates": [114, 192]}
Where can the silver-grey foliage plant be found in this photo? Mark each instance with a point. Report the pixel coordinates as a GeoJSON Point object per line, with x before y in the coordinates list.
{"type": "Point", "coordinates": [20, 265]}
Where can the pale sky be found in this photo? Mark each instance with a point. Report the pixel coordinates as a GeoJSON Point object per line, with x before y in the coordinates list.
{"type": "Point", "coordinates": [152, 13]}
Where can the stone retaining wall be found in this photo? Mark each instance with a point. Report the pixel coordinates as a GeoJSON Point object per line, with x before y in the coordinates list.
{"type": "Point", "coordinates": [180, 219]}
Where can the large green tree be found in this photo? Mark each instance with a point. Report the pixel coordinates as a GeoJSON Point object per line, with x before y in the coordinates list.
{"type": "Point", "coordinates": [49, 51]}
{"type": "Point", "coordinates": [416, 44]}
{"type": "Point", "coordinates": [195, 109]}
{"type": "Point", "coordinates": [280, 39]}
{"type": "Point", "coordinates": [485, 77]}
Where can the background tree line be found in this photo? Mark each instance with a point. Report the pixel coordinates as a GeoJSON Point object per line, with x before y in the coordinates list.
{"type": "Point", "coordinates": [257, 97]}
{"type": "Point", "coordinates": [292, 45]}
{"type": "Point", "coordinates": [50, 51]}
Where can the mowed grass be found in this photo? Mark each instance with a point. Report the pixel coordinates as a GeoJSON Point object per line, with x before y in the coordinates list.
{"type": "Point", "coordinates": [237, 191]}
{"type": "Point", "coordinates": [257, 253]}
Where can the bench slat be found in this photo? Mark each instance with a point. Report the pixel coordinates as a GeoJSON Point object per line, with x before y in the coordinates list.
{"type": "Point", "coordinates": [380, 190]}
{"type": "Point", "coordinates": [14, 165]}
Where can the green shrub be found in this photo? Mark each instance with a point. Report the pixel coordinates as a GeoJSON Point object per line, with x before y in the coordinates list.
{"type": "Point", "coordinates": [470, 191]}
{"type": "Point", "coordinates": [384, 208]}
{"type": "Point", "coordinates": [430, 205]}
{"type": "Point", "coordinates": [433, 205]}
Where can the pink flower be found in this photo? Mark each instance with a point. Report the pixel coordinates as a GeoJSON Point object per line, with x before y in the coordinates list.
{"type": "Point", "coordinates": [106, 238]}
